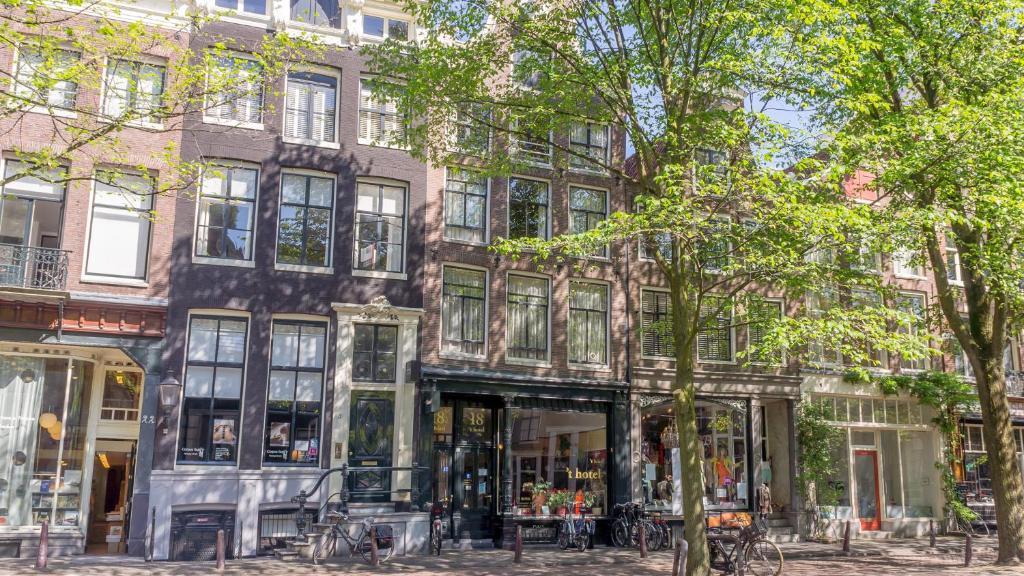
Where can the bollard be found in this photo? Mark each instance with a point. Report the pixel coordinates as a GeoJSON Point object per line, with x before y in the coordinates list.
{"type": "Point", "coordinates": [931, 533]}
{"type": "Point", "coordinates": [968, 552]}
{"type": "Point", "coordinates": [374, 557]}
{"type": "Point", "coordinates": [643, 541]}
{"type": "Point", "coordinates": [685, 546]}
{"type": "Point", "coordinates": [675, 559]}
{"type": "Point", "coordinates": [519, 545]}
{"type": "Point", "coordinates": [846, 539]}
{"type": "Point", "coordinates": [44, 544]}
{"type": "Point", "coordinates": [220, 550]}
{"type": "Point", "coordinates": [152, 536]}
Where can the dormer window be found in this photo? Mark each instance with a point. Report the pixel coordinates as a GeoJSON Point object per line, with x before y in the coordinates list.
{"type": "Point", "coordinates": [383, 28]}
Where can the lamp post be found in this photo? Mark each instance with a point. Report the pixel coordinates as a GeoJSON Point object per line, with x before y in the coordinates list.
{"type": "Point", "coordinates": [170, 393]}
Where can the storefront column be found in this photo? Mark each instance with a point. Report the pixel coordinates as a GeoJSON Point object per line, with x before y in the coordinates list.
{"type": "Point", "coordinates": [508, 527]}
{"type": "Point", "coordinates": [795, 510]}
{"type": "Point", "coordinates": [756, 442]}
{"type": "Point", "coordinates": [621, 450]}
{"type": "Point", "coordinates": [139, 504]}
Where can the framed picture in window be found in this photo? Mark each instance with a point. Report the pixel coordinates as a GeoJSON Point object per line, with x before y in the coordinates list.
{"type": "Point", "coordinates": [224, 431]}
{"type": "Point", "coordinates": [280, 433]}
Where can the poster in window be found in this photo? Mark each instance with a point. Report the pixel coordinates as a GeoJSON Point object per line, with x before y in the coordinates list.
{"type": "Point", "coordinates": [279, 433]}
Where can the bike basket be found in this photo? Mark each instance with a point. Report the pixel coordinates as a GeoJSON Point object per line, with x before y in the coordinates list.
{"type": "Point", "coordinates": [585, 526]}
{"type": "Point", "coordinates": [385, 536]}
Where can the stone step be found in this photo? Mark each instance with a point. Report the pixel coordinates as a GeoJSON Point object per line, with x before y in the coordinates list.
{"type": "Point", "coordinates": [784, 538]}
{"type": "Point", "coordinates": [777, 522]}
{"type": "Point", "coordinates": [467, 544]}
{"type": "Point", "coordinates": [286, 555]}
{"type": "Point", "coordinates": [779, 531]}
{"type": "Point", "coordinates": [874, 535]}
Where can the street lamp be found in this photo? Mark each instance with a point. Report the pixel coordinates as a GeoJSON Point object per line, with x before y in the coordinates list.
{"type": "Point", "coordinates": [170, 392]}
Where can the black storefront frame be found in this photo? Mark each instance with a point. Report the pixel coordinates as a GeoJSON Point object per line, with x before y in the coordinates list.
{"type": "Point", "coordinates": [526, 392]}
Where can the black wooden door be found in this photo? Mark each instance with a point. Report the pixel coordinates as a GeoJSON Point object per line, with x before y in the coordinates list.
{"type": "Point", "coordinates": [371, 430]}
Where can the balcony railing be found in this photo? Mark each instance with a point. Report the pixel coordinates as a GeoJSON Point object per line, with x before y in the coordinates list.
{"type": "Point", "coordinates": [33, 267]}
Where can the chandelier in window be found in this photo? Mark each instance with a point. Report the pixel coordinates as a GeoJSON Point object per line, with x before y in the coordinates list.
{"type": "Point", "coordinates": [670, 436]}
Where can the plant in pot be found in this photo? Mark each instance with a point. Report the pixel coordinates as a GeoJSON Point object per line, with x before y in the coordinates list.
{"type": "Point", "coordinates": [590, 501]}
{"type": "Point", "coordinates": [539, 496]}
{"type": "Point", "coordinates": [558, 500]}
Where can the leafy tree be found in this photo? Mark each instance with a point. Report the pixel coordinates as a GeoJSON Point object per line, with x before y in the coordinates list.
{"type": "Point", "coordinates": [927, 97]}
{"type": "Point", "coordinates": [65, 55]}
{"type": "Point", "coordinates": [496, 85]}
{"type": "Point", "coordinates": [817, 440]}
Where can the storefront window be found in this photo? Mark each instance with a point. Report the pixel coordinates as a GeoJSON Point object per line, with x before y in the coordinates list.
{"type": "Point", "coordinates": [559, 459]}
{"type": "Point", "coordinates": [44, 405]}
{"type": "Point", "coordinates": [121, 395]}
{"type": "Point", "coordinates": [723, 435]}
{"type": "Point", "coordinates": [294, 393]}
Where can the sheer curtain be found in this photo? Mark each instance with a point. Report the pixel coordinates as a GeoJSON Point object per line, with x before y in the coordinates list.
{"type": "Point", "coordinates": [21, 387]}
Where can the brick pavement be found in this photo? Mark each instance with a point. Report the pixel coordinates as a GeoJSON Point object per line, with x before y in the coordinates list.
{"type": "Point", "coordinates": [901, 557]}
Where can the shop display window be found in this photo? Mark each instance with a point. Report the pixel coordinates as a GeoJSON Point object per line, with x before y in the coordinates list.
{"type": "Point", "coordinates": [559, 462]}
{"type": "Point", "coordinates": [294, 392]}
{"type": "Point", "coordinates": [44, 410]}
{"type": "Point", "coordinates": [722, 430]}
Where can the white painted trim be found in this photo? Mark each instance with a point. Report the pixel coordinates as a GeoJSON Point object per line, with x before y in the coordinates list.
{"type": "Point", "coordinates": [312, 268]}
{"type": "Point", "coordinates": [487, 308]}
{"type": "Point", "coordinates": [376, 180]}
{"type": "Point", "coordinates": [528, 361]}
{"type": "Point", "coordinates": [487, 210]}
{"type": "Point", "coordinates": [227, 163]}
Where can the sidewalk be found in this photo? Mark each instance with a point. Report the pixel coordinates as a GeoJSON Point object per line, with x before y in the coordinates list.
{"type": "Point", "coordinates": [896, 557]}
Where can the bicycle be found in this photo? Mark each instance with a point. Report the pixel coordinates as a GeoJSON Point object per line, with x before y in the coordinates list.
{"type": "Point", "coordinates": [575, 532]}
{"type": "Point", "coordinates": [976, 526]}
{"type": "Point", "coordinates": [745, 552]}
{"type": "Point", "coordinates": [327, 545]}
{"type": "Point", "coordinates": [626, 528]}
{"type": "Point", "coordinates": [436, 528]}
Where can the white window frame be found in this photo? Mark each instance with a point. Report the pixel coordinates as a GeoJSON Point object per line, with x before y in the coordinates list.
{"type": "Point", "coordinates": [487, 211]}
{"type": "Point", "coordinates": [923, 298]}
{"type": "Point", "coordinates": [592, 367]}
{"type": "Point", "coordinates": [508, 204]}
{"type": "Point", "coordinates": [137, 282]}
{"type": "Point", "coordinates": [401, 114]}
{"type": "Point", "coordinates": [643, 353]}
{"type": "Point", "coordinates": [18, 88]}
{"type": "Point", "coordinates": [404, 274]}
{"type": "Point", "coordinates": [546, 363]}
{"type": "Point", "coordinates": [957, 271]}
{"type": "Point", "coordinates": [607, 211]}
{"type": "Point", "coordinates": [208, 119]}
{"type": "Point", "coordinates": [902, 267]}
{"type": "Point", "coordinates": [578, 164]}
{"type": "Point", "coordinates": [105, 87]}
{"type": "Point", "coordinates": [331, 73]}
{"type": "Point", "coordinates": [239, 9]}
{"type": "Point", "coordinates": [487, 309]}
{"type": "Point", "coordinates": [251, 262]}
{"type": "Point", "coordinates": [311, 269]}
{"type": "Point", "coordinates": [520, 156]}
{"type": "Point", "coordinates": [732, 338]}
{"type": "Point", "coordinates": [782, 315]}
{"type": "Point", "coordinates": [387, 17]}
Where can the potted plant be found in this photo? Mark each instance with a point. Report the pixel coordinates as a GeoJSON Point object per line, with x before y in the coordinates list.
{"type": "Point", "coordinates": [557, 500]}
{"type": "Point", "coordinates": [539, 495]}
{"type": "Point", "coordinates": [589, 500]}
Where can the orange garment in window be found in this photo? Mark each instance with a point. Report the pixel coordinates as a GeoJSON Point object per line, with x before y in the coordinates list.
{"type": "Point", "coordinates": [722, 470]}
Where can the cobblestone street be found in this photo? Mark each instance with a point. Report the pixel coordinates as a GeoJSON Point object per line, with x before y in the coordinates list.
{"type": "Point", "coordinates": [906, 557]}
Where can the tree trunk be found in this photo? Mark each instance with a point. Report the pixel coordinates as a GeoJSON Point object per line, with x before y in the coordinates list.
{"type": "Point", "coordinates": [691, 464]}
{"type": "Point", "coordinates": [1007, 487]}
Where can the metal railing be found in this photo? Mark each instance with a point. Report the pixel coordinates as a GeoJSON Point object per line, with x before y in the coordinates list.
{"type": "Point", "coordinates": [33, 267]}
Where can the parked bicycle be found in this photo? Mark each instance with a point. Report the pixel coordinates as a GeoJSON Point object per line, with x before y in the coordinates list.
{"type": "Point", "coordinates": [575, 531]}
{"type": "Point", "coordinates": [626, 528]}
{"type": "Point", "coordinates": [960, 522]}
{"type": "Point", "coordinates": [742, 548]}
{"type": "Point", "coordinates": [327, 544]}
{"type": "Point", "coordinates": [436, 528]}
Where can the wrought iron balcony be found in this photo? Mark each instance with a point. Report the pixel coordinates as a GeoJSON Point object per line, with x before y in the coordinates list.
{"type": "Point", "coordinates": [33, 268]}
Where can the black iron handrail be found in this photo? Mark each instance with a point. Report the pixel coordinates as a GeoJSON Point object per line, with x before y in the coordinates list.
{"type": "Point", "coordinates": [33, 267]}
{"type": "Point", "coordinates": [304, 495]}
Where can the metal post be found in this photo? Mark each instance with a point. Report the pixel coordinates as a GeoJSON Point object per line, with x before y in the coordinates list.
{"type": "Point", "coordinates": [44, 544]}
{"type": "Point", "coordinates": [374, 558]}
{"type": "Point", "coordinates": [152, 535]}
{"type": "Point", "coordinates": [643, 541]}
{"type": "Point", "coordinates": [684, 548]}
{"type": "Point", "coordinates": [675, 560]}
{"type": "Point", "coordinates": [220, 550]}
{"type": "Point", "coordinates": [846, 539]}
{"type": "Point", "coordinates": [968, 552]}
{"type": "Point", "coordinates": [519, 545]}
{"type": "Point", "coordinates": [931, 533]}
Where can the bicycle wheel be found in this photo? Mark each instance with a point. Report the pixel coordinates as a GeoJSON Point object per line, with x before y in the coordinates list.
{"type": "Point", "coordinates": [563, 537]}
{"type": "Point", "coordinates": [384, 553]}
{"type": "Point", "coordinates": [620, 533]}
{"type": "Point", "coordinates": [582, 541]}
{"type": "Point", "coordinates": [762, 558]}
{"type": "Point", "coordinates": [435, 538]}
{"type": "Point", "coordinates": [653, 535]}
{"type": "Point", "coordinates": [325, 546]}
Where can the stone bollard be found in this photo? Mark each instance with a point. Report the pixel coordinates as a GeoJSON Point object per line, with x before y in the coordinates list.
{"type": "Point", "coordinates": [220, 550]}
{"type": "Point", "coordinates": [374, 557]}
{"type": "Point", "coordinates": [519, 545]}
{"type": "Point", "coordinates": [968, 552]}
{"type": "Point", "coordinates": [643, 541]}
{"type": "Point", "coordinates": [846, 539]}
{"type": "Point", "coordinates": [931, 533]}
{"type": "Point", "coordinates": [685, 549]}
{"type": "Point", "coordinates": [44, 544]}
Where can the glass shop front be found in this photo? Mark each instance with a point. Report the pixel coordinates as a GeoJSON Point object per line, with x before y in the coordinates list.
{"type": "Point", "coordinates": [724, 432]}
{"type": "Point", "coordinates": [559, 462]}
{"type": "Point", "coordinates": [44, 412]}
